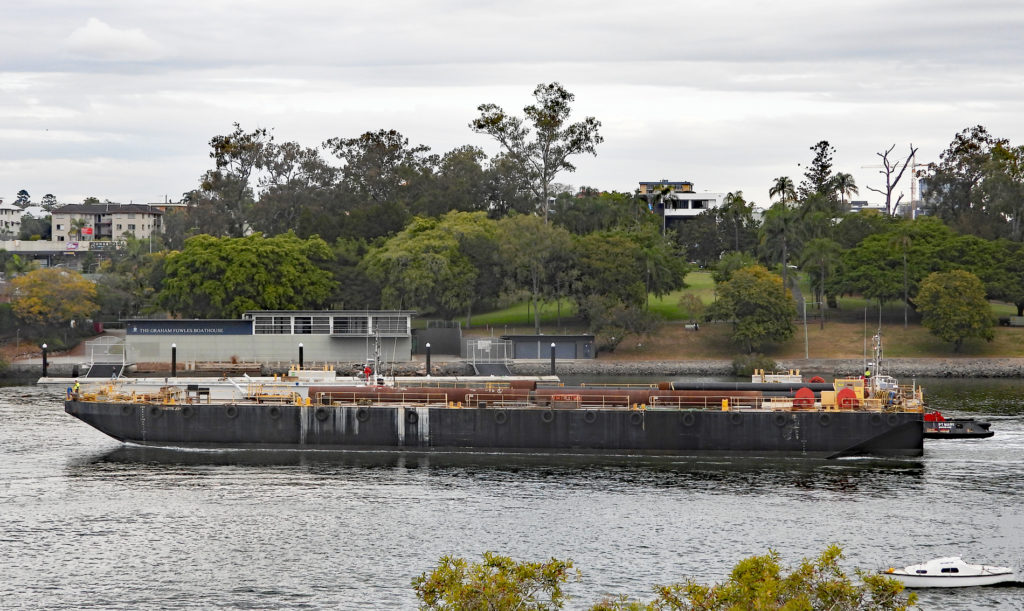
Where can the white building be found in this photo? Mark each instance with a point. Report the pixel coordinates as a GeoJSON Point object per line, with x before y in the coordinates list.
{"type": "Point", "coordinates": [104, 222]}
{"type": "Point", "coordinates": [10, 220]}
{"type": "Point", "coordinates": [676, 201]}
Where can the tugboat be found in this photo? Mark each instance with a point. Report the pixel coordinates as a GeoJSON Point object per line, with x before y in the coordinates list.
{"type": "Point", "coordinates": [938, 427]}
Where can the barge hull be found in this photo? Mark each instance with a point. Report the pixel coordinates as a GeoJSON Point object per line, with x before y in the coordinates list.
{"type": "Point", "coordinates": [419, 428]}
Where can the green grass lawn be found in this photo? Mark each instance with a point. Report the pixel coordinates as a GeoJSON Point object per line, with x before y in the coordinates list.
{"type": "Point", "coordinates": [842, 337]}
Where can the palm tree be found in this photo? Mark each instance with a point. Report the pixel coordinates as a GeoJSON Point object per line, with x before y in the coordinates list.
{"type": "Point", "coordinates": [659, 197]}
{"type": "Point", "coordinates": [845, 185]}
{"type": "Point", "coordinates": [77, 225]}
{"type": "Point", "coordinates": [821, 254]}
{"type": "Point", "coordinates": [779, 232]}
{"type": "Point", "coordinates": [784, 188]}
{"type": "Point", "coordinates": [734, 209]}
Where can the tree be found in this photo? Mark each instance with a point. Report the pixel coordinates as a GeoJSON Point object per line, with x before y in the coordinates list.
{"type": "Point", "coordinates": [48, 201]}
{"type": "Point", "coordinates": [23, 198]}
{"type": "Point", "coordinates": [1008, 283]}
{"type": "Point", "coordinates": [875, 270]}
{"type": "Point", "coordinates": [701, 238]}
{"type": "Point", "coordinates": [845, 186]}
{"type": "Point", "coordinates": [132, 278]}
{"type": "Point", "coordinates": [954, 308]}
{"type": "Point", "coordinates": [496, 583]}
{"type": "Point", "coordinates": [296, 192]}
{"type": "Point", "coordinates": [35, 229]}
{"type": "Point", "coordinates": [459, 183]}
{"type": "Point", "coordinates": [554, 140]}
{"type": "Point", "coordinates": [531, 249]}
{"type": "Point", "coordinates": [444, 265]}
{"type": "Point", "coordinates": [224, 277]}
{"type": "Point", "coordinates": [820, 257]}
{"type": "Point", "coordinates": [53, 296]}
{"type": "Point", "coordinates": [421, 267]}
{"type": "Point", "coordinates": [779, 235]}
{"type": "Point", "coordinates": [888, 170]}
{"type": "Point", "coordinates": [612, 268]}
{"type": "Point", "coordinates": [507, 188]}
{"type": "Point", "coordinates": [378, 164]}
{"type": "Point", "coordinates": [77, 225]}
{"type": "Point", "coordinates": [223, 202]}
{"type": "Point", "coordinates": [590, 212]}
{"type": "Point", "coordinates": [818, 176]}
{"type": "Point", "coordinates": [1002, 188]}
{"type": "Point", "coordinates": [902, 237]}
{"type": "Point", "coordinates": [729, 264]}
{"type": "Point", "coordinates": [856, 226]}
{"type": "Point", "coordinates": [12, 265]}
{"type": "Point", "coordinates": [762, 310]}
{"type": "Point", "coordinates": [953, 188]}
{"type": "Point", "coordinates": [759, 582]}
{"type": "Point", "coordinates": [737, 217]}
{"type": "Point", "coordinates": [691, 307]}
{"type": "Point", "coordinates": [783, 187]}
{"type": "Point", "coordinates": [353, 289]}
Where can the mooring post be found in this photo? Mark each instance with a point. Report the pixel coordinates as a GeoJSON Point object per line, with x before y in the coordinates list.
{"type": "Point", "coordinates": [174, 360]}
{"type": "Point", "coordinates": [428, 359]}
{"type": "Point", "coordinates": [300, 355]}
{"type": "Point", "coordinates": [44, 360]}
{"type": "Point", "coordinates": [552, 358]}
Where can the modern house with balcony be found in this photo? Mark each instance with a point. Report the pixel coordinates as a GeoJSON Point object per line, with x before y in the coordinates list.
{"type": "Point", "coordinates": [676, 201]}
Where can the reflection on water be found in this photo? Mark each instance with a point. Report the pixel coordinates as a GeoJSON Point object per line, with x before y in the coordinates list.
{"type": "Point", "coordinates": [733, 476]}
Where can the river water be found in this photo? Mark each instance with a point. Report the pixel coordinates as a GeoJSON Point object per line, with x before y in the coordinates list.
{"type": "Point", "coordinates": [86, 522]}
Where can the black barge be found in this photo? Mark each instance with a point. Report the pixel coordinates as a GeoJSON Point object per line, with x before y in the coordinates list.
{"type": "Point", "coordinates": [510, 420]}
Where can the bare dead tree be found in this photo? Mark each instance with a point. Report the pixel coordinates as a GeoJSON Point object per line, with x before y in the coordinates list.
{"type": "Point", "coordinates": [889, 168]}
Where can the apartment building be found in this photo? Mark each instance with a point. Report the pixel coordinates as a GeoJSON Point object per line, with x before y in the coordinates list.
{"type": "Point", "coordinates": [104, 222]}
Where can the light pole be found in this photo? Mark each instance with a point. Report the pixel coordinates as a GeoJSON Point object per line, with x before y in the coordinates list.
{"type": "Point", "coordinates": [806, 346]}
{"type": "Point", "coordinates": [174, 360]}
{"type": "Point", "coordinates": [552, 358]}
{"type": "Point", "coordinates": [44, 360]}
{"type": "Point", "coordinates": [428, 359]}
{"type": "Point", "coordinates": [300, 355]}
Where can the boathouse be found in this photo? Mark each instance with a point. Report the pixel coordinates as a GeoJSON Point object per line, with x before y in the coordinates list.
{"type": "Point", "coordinates": [325, 336]}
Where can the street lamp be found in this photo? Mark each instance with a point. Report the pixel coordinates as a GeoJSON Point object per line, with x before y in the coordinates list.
{"type": "Point", "coordinates": [428, 359]}
{"type": "Point", "coordinates": [300, 355]}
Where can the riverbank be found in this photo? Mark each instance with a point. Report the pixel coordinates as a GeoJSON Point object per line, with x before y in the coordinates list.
{"type": "Point", "coordinates": [925, 368]}
{"type": "Point", "coordinates": [962, 367]}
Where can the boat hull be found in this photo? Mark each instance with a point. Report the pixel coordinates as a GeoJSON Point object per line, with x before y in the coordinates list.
{"type": "Point", "coordinates": [960, 428]}
{"type": "Point", "coordinates": [521, 429]}
{"type": "Point", "coordinates": [951, 581]}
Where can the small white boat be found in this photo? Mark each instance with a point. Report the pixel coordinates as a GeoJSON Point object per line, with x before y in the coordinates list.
{"type": "Point", "coordinates": [951, 572]}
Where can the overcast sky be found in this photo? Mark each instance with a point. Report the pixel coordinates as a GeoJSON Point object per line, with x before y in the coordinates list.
{"type": "Point", "coordinates": [118, 99]}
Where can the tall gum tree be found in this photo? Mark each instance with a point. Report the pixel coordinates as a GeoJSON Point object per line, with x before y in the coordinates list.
{"type": "Point", "coordinates": [541, 141]}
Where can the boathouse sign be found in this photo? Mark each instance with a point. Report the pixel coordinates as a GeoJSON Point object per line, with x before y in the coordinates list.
{"type": "Point", "coordinates": [189, 327]}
